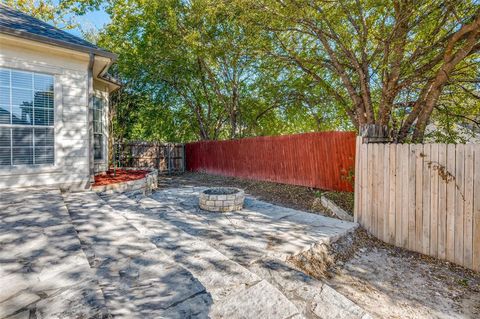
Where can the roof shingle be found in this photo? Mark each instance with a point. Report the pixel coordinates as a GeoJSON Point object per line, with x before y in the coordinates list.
{"type": "Point", "coordinates": [19, 24]}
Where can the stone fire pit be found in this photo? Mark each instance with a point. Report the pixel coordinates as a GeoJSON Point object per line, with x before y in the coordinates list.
{"type": "Point", "coordinates": [222, 199]}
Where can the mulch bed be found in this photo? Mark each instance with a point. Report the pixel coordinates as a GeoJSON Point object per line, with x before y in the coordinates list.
{"type": "Point", "coordinates": [121, 175]}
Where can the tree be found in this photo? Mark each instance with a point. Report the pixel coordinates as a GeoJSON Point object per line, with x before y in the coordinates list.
{"type": "Point", "coordinates": [225, 69]}
{"type": "Point", "coordinates": [384, 62]}
{"type": "Point", "coordinates": [195, 59]}
{"type": "Point", "coordinates": [46, 10]}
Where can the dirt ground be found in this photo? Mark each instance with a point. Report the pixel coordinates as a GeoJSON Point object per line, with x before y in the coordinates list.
{"type": "Point", "coordinates": [386, 281]}
{"type": "Point", "coordinates": [297, 197]}
{"type": "Point", "coordinates": [391, 282]}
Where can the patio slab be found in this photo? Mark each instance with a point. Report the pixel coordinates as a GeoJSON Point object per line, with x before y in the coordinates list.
{"type": "Point", "coordinates": [260, 238]}
{"type": "Point", "coordinates": [148, 268]}
{"type": "Point", "coordinates": [260, 229]}
{"type": "Point", "coordinates": [43, 270]}
{"type": "Point", "coordinates": [80, 255]}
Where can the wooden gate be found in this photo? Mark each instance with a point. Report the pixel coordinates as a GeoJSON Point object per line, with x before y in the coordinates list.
{"type": "Point", "coordinates": [166, 157]}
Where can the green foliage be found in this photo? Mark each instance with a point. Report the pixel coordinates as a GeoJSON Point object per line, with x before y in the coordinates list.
{"type": "Point", "coordinates": [203, 75]}
{"type": "Point", "coordinates": [215, 69]}
{"type": "Point", "coordinates": [227, 69]}
{"type": "Point", "coordinates": [380, 61]}
{"type": "Point", "coordinates": [45, 10]}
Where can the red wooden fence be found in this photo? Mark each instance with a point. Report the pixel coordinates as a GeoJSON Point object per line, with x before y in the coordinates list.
{"type": "Point", "coordinates": [322, 160]}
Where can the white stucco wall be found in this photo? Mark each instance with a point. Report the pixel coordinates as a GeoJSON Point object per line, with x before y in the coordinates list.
{"type": "Point", "coordinates": [70, 71]}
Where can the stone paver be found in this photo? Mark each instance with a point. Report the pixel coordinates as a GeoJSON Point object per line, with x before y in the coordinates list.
{"type": "Point", "coordinates": [43, 271]}
{"type": "Point", "coordinates": [259, 229]}
{"type": "Point", "coordinates": [260, 238]}
{"type": "Point", "coordinates": [175, 266]}
{"type": "Point", "coordinates": [159, 257]}
{"type": "Point", "coordinates": [137, 279]}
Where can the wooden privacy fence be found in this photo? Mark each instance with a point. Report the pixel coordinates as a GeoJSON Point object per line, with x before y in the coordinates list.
{"type": "Point", "coordinates": [423, 197]}
{"type": "Point", "coordinates": [166, 157]}
{"type": "Point", "coordinates": [323, 160]}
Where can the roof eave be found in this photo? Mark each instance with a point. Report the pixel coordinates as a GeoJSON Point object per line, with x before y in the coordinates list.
{"type": "Point", "coordinates": [63, 44]}
{"type": "Point", "coordinates": [112, 81]}
{"type": "Point", "coordinates": [103, 75]}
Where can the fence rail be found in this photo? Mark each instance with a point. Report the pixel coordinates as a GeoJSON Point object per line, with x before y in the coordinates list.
{"type": "Point", "coordinates": [423, 197]}
{"type": "Point", "coordinates": [167, 158]}
{"type": "Point", "coordinates": [322, 160]}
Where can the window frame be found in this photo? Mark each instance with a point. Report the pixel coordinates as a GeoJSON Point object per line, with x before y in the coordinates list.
{"type": "Point", "coordinates": [30, 168]}
{"type": "Point", "coordinates": [102, 124]}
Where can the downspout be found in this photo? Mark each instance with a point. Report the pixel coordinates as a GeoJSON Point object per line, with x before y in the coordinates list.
{"type": "Point", "coordinates": [90, 93]}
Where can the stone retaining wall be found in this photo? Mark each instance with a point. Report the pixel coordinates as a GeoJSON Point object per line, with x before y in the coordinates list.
{"type": "Point", "coordinates": [145, 185]}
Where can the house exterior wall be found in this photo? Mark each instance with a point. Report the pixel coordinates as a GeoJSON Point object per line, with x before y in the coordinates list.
{"type": "Point", "coordinates": [70, 70]}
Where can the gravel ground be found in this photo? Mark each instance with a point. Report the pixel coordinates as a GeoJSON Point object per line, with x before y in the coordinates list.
{"type": "Point", "coordinates": [386, 281]}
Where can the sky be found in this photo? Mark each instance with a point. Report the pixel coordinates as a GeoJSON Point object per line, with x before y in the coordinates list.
{"type": "Point", "coordinates": [96, 19]}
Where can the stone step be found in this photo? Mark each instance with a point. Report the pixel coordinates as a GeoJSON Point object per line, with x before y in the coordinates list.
{"type": "Point", "coordinates": [245, 239]}
{"type": "Point", "coordinates": [165, 272]}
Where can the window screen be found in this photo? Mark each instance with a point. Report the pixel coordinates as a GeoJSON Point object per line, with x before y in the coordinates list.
{"type": "Point", "coordinates": [26, 118]}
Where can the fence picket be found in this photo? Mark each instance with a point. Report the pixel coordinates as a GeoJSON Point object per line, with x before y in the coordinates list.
{"type": "Point", "coordinates": [476, 212]}
{"type": "Point", "coordinates": [411, 196]}
{"type": "Point", "coordinates": [376, 189]}
{"type": "Point", "coordinates": [459, 202]}
{"type": "Point", "coordinates": [468, 208]}
{"type": "Point", "coordinates": [405, 193]}
{"type": "Point", "coordinates": [358, 178]}
{"type": "Point", "coordinates": [434, 200]}
{"type": "Point", "coordinates": [392, 191]}
{"type": "Point", "coordinates": [371, 190]}
{"type": "Point", "coordinates": [451, 190]}
{"type": "Point", "coordinates": [386, 192]}
{"type": "Point", "coordinates": [399, 200]}
{"type": "Point", "coordinates": [426, 198]}
{"type": "Point", "coordinates": [364, 204]}
{"type": "Point", "coordinates": [442, 200]}
{"type": "Point", "coordinates": [418, 198]}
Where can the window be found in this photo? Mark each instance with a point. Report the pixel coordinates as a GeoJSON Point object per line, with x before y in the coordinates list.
{"type": "Point", "coordinates": [26, 118]}
{"type": "Point", "coordinates": [98, 124]}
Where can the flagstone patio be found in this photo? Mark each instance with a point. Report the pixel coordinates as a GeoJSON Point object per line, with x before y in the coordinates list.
{"type": "Point", "coordinates": [94, 256]}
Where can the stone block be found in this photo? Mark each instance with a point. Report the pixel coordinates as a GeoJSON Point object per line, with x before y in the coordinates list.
{"type": "Point", "coordinates": [217, 200]}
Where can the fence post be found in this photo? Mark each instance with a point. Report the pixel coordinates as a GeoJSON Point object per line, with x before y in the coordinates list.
{"type": "Point", "coordinates": [184, 160]}
{"type": "Point", "coordinates": [373, 133]}
{"type": "Point", "coordinates": [169, 158]}
{"type": "Point", "coordinates": [368, 134]}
